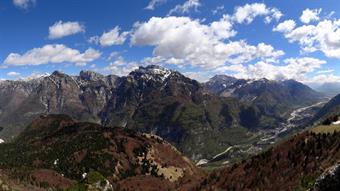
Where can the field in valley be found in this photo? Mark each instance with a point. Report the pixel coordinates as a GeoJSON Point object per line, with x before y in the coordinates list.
{"type": "Point", "coordinates": [326, 129]}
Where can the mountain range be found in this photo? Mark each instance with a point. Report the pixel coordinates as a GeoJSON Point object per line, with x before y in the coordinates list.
{"type": "Point", "coordinates": [139, 132]}
{"type": "Point", "coordinates": [201, 120]}
{"type": "Point", "coordinates": [274, 98]}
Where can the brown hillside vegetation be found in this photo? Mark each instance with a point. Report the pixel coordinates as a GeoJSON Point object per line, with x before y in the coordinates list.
{"type": "Point", "coordinates": [292, 165]}
{"type": "Point", "coordinates": [57, 152]}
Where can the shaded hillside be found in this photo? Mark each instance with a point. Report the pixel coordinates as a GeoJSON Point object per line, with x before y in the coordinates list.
{"type": "Point", "coordinates": [150, 99]}
{"type": "Point", "coordinates": [55, 151]}
{"type": "Point", "coordinates": [330, 109]}
{"type": "Point", "coordinates": [292, 165]}
{"type": "Point", "coordinates": [275, 98]}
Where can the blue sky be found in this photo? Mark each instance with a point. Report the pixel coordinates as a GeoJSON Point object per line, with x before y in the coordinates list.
{"type": "Point", "coordinates": [200, 38]}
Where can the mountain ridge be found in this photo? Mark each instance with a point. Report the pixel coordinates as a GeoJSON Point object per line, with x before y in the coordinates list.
{"type": "Point", "coordinates": [271, 96]}
{"type": "Point", "coordinates": [150, 99]}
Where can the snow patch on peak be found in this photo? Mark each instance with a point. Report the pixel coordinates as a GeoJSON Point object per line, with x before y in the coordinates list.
{"type": "Point", "coordinates": [250, 81]}
{"type": "Point", "coordinates": [153, 72]}
{"type": "Point", "coordinates": [164, 73]}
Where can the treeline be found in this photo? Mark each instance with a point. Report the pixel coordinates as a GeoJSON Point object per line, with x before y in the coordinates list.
{"type": "Point", "coordinates": [330, 120]}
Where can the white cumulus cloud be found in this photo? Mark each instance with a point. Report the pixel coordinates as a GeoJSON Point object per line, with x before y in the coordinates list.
{"type": "Point", "coordinates": [52, 53]}
{"type": "Point", "coordinates": [186, 41]}
{"type": "Point", "coordinates": [293, 68]}
{"type": "Point", "coordinates": [121, 67]}
{"type": "Point", "coordinates": [324, 36]}
{"type": "Point", "coordinates": [186, 7]}
{"type": "Point", "coordinates": [248, 12]}
{"type": "Point", "coordinates": [309, 15]}
{"type": "Point", "coordinates": [285, 26]}
{"type": "Point", "coordinates": [110, 38]}
{"type": "Point", "coordinates": [13, 74]}
{"type": "Point", "coordinates": [320, 79]}
{"type": "Point", "coordinates": [61, 29]}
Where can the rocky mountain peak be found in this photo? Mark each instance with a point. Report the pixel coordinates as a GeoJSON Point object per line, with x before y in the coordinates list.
{"type": "Point", "coordinates": [221, 77]}
{"type": "Point", "coordinates": [154, 69]}
{"type": "Point", "coordinates": [259, 81]}
{"type": "Point", "coordinates": [220, 82]}
{"type": "Point", "coordinates": [58, 74]}
{"type": "Point", "coordinates": [151, 72]}
{"type": "Point", "coordinates": [90, 75]}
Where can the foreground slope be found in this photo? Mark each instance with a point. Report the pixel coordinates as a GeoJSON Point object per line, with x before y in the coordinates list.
{"type": "Point", "coordinates": [294, 164]}
{"type": "Point", "coordinates": [55, 151]}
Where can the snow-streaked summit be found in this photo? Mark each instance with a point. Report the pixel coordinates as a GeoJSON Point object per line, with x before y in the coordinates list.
{"type": "Point", "coordinates": [152, 72]}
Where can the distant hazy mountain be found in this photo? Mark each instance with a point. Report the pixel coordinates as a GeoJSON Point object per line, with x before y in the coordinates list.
{"type": "Point", "coordinates": [58, 152]}
{"type": "Point", "coordinates": [330, 89]}
{"type": "Point", "coordinates": [271, 97]}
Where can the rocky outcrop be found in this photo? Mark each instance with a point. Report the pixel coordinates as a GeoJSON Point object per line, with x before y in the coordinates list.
{"type": "Point", "coordinates": [329, 180]}
{"type": "Point", "coordinates": [83, 97]}
{"type": "Point", "coordinates": [4, 186]}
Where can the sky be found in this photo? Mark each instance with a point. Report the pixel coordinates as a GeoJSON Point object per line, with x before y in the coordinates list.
{"type": "Point", "coordinates": [273, 39]}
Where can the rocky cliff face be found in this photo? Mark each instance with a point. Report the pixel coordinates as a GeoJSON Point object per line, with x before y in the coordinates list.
{"type": "Point", "coordinates": [329, 180]}
{"type": "Point", "coordinates": [83, 97]}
